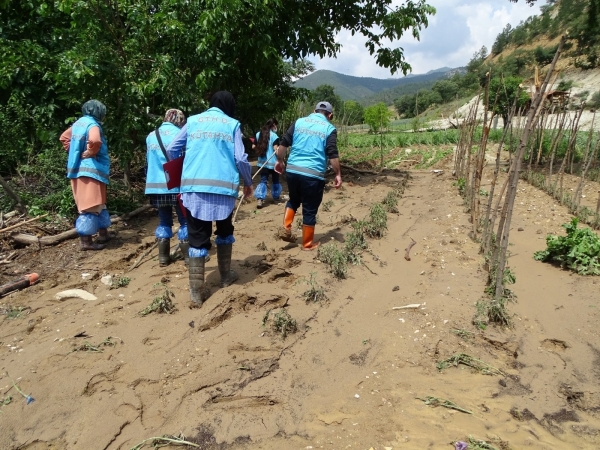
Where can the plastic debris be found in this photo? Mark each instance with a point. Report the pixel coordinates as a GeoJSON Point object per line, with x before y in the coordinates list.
{"type": "Point", "coordinates": [460, 445]}
{"type": "Point", "coordinates": [75, 293]}
{"type": "Point", "coordinates": [411, 306]}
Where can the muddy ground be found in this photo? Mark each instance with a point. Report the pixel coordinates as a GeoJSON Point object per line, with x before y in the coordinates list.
{"type": "Point", "coordinates": [355, 372]}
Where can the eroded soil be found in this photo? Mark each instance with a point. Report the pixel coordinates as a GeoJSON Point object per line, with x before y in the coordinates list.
{"type": "Point", "coordinates": [352, 376]}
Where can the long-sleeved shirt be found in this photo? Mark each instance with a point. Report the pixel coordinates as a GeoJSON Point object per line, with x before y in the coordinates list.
{"type": "Point", "coordinates": [204, 205]}
{"type": "Point", "coordinates": [93, 144]}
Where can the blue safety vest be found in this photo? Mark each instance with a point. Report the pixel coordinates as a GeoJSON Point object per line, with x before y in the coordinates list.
{"type": "Point", "coordinates": [97, 167]}
{"type": "Point", "coordinates": [307, 156]}
{"type": "Point", "coordinates": [209, 164]}
{"type": "Point", "coordinates": [156, 183]}
{"type": "Point", "coordinates": [262, 159]}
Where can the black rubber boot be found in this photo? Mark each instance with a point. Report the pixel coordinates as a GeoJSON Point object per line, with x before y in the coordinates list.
{"type": "Point", "coordinates": [87, 243]}
{"type": "Point", "coordinates": [103, 236]}
{"type": "Point", "coordinates": [164, 252]}
{"type": "Point", "coordinates": [184, 246]}
{"type": "Point", "coordinates": [198, 291]}
{"type": "Point", "coordinates": [228, 276]}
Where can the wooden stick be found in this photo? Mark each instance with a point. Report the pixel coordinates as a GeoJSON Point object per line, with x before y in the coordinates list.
{"type": "Point", "coordinates": [146, 253]}
{"type": "Point", "coordinates": [407, 250]}
{"type": "Point", "coordinates": [253, 176]}
{"type": "Point", "coordinates": [71, 234]}
{"type": "Point", "coordinates": [23, 223]}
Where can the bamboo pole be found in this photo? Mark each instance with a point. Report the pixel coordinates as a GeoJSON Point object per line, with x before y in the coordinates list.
{"type": "Point", "coordinates": [512, 191]}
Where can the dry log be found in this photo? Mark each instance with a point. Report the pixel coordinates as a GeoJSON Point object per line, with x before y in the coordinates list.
{"type": "Point", "coordinates": [12, 227]}
{"type": "Point", "coordinates": [71, 234]}
{"type": "Point", "coordinates": [407, 250]}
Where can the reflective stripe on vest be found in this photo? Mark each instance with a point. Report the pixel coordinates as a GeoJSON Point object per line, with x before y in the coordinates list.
{"type": "Point", "coordinates": [304, 170]}
{"type": "Point", "coordinates": [307, 156]}
{"type": "Point", "coordinates": [97, 167]}
{"type": "Point", "coordinates": [209, 164]}
{"type": "Point", "coordinates": [156, 182]}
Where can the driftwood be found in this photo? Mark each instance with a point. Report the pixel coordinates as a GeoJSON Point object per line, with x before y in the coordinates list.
{"type": "Point", "coordinates": [71, 234]}
{"type": "Point", "coordinates": [407, 250]}
{"type": "Point", "coordinates": [12, 227]}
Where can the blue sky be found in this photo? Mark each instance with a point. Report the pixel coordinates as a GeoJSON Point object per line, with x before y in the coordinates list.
{"type": "Point", "coordinates": [459, 29]}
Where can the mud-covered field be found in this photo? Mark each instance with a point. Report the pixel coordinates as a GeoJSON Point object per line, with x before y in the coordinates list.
{"type": "Point", "coordinates": [354, 374]}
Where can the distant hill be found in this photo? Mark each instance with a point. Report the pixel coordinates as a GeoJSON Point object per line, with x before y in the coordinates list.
{"type": "Point", "coordinates": [364, 89]}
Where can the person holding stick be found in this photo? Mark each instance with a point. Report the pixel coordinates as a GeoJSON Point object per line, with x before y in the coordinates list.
{"type": "Point", "coordinates": [159, 194]}
{"type": "Point", "coordinates": [214, 158]}
{"type": "Point", "coordinates": [88, 168]}
{"type": "Point", "coordinates": [313, 140]}
{"type": "Point", "coordinates": [266, 139]}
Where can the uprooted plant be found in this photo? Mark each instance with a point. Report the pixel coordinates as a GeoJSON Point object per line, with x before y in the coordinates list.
{"type": "Point", "coordinates": [165, 440]}
{"type": "Point", "coordinates": [355, 243]}
{"type": "Point", "coordinates": [162, 303]}
{"type": "Point", "coordinates": [314, 293]}
{"type": "Point", "coordinates": [281, 322]}
{"type": "Point", "coordinates": [467, 360]}
{"type": "Point", "coordinates": [579, 250]}
{"type": "Point", "coordinates": [120, 282]}
{"type": "Point", "coordinates": [335, 258]}
{"type": "Point", "coordinates": [435, 402]}
{"type": "Point", "coordinates": [98, 348]}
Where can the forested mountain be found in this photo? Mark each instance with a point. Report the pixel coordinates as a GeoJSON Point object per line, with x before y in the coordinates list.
{"type": "Point", "coordinates": [370, 90]}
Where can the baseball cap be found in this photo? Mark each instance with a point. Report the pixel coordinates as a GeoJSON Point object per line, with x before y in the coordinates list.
{"type": "Point", "coordinates": [325, 106]}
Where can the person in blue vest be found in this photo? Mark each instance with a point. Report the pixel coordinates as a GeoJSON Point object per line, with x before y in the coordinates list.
{"type": "Point", "coordinates": [313, 140]}
{"type": "Point", "coordinates": [214, 159]}
{"type": "Point", "coordinates": [88, 168]}
{"type": "Point", "coordinates": [159, 195]}
{"type": "Point", "coordinates": [266, 138]}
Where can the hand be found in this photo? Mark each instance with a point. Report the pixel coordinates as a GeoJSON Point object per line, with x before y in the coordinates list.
{"type": "Point", "coordinates": [86, 155]}
{"type": "Point", "coordinates": [337, 181]}
{"type": "Point", "coordinates": [248, 191]}
{"type": "Point", "coordinates": [279, 167]}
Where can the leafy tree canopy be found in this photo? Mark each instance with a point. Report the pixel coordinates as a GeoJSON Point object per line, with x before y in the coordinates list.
{"type": "Point", "coordinates": [377, 116]}
{"type": "Point", "coordinates": [142, 57]}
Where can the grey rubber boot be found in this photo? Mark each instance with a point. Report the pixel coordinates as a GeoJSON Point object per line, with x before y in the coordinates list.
{"type": "Point", "coordinates": [184, 246]}
{"type": "Point", "coordinates": [164, 252]}
{"type": "Point", "coordinates": [87, 243]}
{"type": "Point", "coordinates": [228, 276]}
{"type": "Point", "coordinates": [198, 291]}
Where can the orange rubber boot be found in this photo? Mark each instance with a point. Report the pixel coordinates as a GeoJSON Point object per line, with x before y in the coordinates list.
{"type": "Point", "coordinates": [308, 235]}
{"type": "Point", "coordinates": [288, 220]}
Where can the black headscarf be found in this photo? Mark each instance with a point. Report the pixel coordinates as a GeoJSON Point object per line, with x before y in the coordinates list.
{"type": "Point", "coordinates": [224, 101]}
{"type": "Point", "coordinates": [94, 108]}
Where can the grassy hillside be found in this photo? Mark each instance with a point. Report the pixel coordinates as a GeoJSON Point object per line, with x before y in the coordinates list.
{"type": "Point", "coordinates": [371, 90]}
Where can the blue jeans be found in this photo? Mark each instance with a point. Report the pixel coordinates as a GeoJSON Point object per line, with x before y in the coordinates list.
{"type": "Point", "coordinates": [305, 191]}
{"type": "Point", "coordinates": [165, 216]}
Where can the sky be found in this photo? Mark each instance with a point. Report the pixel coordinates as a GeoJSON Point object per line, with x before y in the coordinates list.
{"type": "Point", "coordinates": [458, 29]}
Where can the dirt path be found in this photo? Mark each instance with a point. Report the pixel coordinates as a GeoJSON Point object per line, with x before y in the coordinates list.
{"type": "Point", "coordinates": [350, 376]}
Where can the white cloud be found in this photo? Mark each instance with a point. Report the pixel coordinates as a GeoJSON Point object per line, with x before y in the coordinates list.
{"type": "Point", "coordinates": [458, 30]}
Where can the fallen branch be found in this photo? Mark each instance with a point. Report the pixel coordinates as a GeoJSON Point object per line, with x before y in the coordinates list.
{"type": "Point", "coordinates": [411, 306]}
{"type": "Point", "coordinates": [407, 249]}
{"type": "Point", "coordinates": [12, 227]}
{"type": "Point", "coordinates": [146, 253]}
{"type": "Point", "coordinates": [370, 172]}
{"type": "Point", "coordinates": [71, 234]}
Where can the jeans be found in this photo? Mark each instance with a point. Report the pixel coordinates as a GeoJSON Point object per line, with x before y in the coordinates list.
{"type": "Point", "coordinates": [165, 216]}
{"type": "Point", "coordinates": [199, 231]}
{"type": "Point", "coordinates": [305, 191]}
